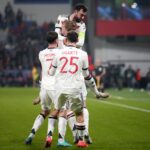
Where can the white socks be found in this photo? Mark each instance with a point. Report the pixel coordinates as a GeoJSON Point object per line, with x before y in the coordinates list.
{"type": "Point", "coordinates": [62, 123]}
{"type": "Point", "coordinates": [51, 125]}
{"type": "Point", "coordinates": [86, 120]}
{"type": "Point", "coordinates": [72, 121]}
{"type": "Point", "coordinates": [80, 127]}
{"type": "Point", "coordinates": [38, 122]}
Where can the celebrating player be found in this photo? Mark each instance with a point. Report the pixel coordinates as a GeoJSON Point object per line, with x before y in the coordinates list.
{"type": "Point", "coordinates": [68, 65]}
{"type": "Point", "coordinates": [47, 92]}
{"type": "Point", "coordinates": [78, 15]}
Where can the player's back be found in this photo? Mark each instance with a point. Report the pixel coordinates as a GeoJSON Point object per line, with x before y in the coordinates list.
{"type": "Point", "coordinates": [69, 69]}
{"type": "Point", "coordinates": [46, 56]}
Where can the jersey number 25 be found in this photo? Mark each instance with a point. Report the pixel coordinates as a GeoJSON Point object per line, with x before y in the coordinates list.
{"type": "Point", "coordinates": [71, 62]}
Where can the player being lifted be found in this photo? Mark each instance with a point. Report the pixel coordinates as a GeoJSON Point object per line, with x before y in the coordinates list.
{"type": "Point", "coordinates": [48, 93]}
{"type": "Point", "coordinates": [78, 15]}
{"type": "Point", "coordinates": [68, 65]}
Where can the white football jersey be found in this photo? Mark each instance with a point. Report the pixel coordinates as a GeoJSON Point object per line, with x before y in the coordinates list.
{"type": "Point", "coordinates": [61, 41]}
{"type": "Point", "coordinates": [46, 56]}
{"type": "Point", "coordinates": [70, 62]}
{"type": "Point", "coordinates": [81, 28]}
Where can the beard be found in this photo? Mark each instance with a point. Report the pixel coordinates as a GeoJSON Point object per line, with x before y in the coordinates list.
{"type": "Point", "coordinates": [77, 19]}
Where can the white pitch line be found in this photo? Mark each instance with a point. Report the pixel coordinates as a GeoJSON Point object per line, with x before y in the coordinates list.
{"type": "Point", "coordinates": [118, 97]}
{"type": "Point", "coordinates": [127, 106]}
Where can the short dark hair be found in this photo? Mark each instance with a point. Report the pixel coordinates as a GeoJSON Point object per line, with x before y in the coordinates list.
{"type": "Point", "coordinates": [51, 36]}
{"type": "Point", "coordinates": [72, 36]}
{"type": "Point", "coordinates": [78, 7]}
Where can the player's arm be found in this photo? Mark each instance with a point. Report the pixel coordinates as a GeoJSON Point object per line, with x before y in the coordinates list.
{"type": "Point", "coordinates": [59, 23]}
{"type": "Point", "coordinates": [53, 69]}
{"type": "Point", "coordinates": [90, 81]}
{"type": "Point", "coordinates": [87, 76]}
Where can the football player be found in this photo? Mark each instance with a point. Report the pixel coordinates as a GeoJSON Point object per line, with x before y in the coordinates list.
{"type": "Point", "coordinates": [78, 15]}
{"type": "Point", "coordinates": [68, 65]}
{"type": "Point", "coordinates": [48, 93]}
{"type": "Point", "coordinates": [66, 27]}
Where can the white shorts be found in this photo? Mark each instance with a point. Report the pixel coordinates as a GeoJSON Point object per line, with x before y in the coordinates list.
{"type": "Point", "coordinates": [73, 102]}
{"type": "Point", "coordinates": [48, 97]}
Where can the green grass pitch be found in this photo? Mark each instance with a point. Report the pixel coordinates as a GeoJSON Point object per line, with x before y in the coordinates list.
{"type": "Point", "coordinates": [120, 123]}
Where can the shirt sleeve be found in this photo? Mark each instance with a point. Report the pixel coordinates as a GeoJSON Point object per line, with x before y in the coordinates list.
{"type": "Point", "coordinates": [54, 67]}
{"type": "Point", "coordinates": [81, 35]}
{"type": "Point", "coordinates": [85, 65]}
{"type": "Point", "coordinates": [54, 62]}
{"type": "Point", "coordinates": [41, 56]}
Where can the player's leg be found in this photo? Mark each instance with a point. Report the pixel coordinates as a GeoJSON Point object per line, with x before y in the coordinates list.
{"type": "Point", "coordinates": [85, 113]}
{"type": "Point", "coordinates": [86, 121]}
{"type": "Point", "coordinates": [52, 121]}
{"type": "Point", "coordinates": [36, 125]}
{"type": "Point", "coordinates": [80, 127]}
{"type": "Point", "coordinates": [77, 107]}
{"type": "Point", "coordinates": [51, 125]}
{"type": "Point", "coordinates": [40, 118]}
{"type": "Point", "coordinates": [71, 118]}
{"type": "Point", "coordinates": [62, 123]}
{"type": "Point", "coordinates": [52, 118]}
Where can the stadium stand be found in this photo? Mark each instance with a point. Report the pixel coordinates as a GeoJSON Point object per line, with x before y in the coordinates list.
{"type": "Point", "coordinates": [20, 43]}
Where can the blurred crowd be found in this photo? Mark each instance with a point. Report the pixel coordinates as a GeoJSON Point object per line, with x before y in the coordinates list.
{"type": "Point", "coordinates": [118, 76]}
{"type": "Point", "coordinates": [20, 42]}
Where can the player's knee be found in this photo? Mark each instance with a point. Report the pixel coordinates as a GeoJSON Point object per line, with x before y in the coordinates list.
{"type": "Point", "coordinates": [62, 113]}
{"type": "Point", "coordinates": [70, 114]}
{"type": "Point", "coordinates": [55, 112]}
{"type": "Point", "coordinates": [45, 112]}
{"type": "Point", "coordinates": [78, 110]}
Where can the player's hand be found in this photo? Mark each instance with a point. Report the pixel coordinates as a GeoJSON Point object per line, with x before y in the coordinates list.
{"type": "Point", "coordinates": [102, 95]}
{"type": "Point", "coordinates": [36, 101]}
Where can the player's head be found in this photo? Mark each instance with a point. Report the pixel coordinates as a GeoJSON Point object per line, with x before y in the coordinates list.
{"type": "Point", "coordinates": [68, 26]}
{"type": "Point", "coordinates": [80, 12]}
{"type": "Point", "coordinates": [72, 37]}
{"type": "Point", "coordinates": [51, 37]}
